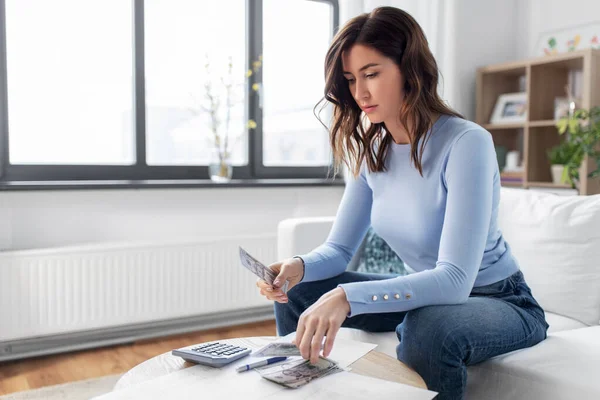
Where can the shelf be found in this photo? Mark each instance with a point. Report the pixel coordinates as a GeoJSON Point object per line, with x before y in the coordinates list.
{"type": "Point", "coordinates": [549, 185]}
{"type": "Point", "coordinates": [511, 68]}
{"type": "Point", "coordinates": [511, 184]}
{"type": "Point", "coordinates": [518, 66]}
{"type": "Point", "coordinates": [568, 60]}
{"type": "Point", "coordinates": [515, 125]}
{"type": "Point", "coordinates": [543, 123]}
{"type": "Point", "coordinates": [543, 79]}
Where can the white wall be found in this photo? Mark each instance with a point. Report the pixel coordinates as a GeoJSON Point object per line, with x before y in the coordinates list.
{"type": "Point", "coordinates": [463, 35]}
{"type": "Point", "coordinates": [550, 15]}
{"type": "Point", "coordinates": [37, 219]}
{"type": "Point", "coordinates": [476, 33]}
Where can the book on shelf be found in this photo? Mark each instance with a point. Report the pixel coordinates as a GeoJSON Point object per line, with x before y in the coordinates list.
{"type": "Point", "coordinates": [511, 177]}
{"type": "Point", "coordinates": [511, 174]}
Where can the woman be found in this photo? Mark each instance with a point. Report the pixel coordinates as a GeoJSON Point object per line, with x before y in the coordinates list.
{"type": "Point", "coordinates": [428, 182]}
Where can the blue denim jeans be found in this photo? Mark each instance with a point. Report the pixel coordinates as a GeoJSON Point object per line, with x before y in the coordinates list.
{"type": "Point", "coordinates": [439, 342]}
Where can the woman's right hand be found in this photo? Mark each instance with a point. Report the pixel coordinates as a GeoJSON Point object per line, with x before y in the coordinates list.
{"type": "Point", "coordinates": [291, 269]}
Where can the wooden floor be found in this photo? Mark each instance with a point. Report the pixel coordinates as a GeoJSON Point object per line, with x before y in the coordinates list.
{"type": "Point", "coordinates": [37, 372]}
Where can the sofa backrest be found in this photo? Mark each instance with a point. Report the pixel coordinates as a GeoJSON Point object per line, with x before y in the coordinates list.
{"type": "Point", "coordinates": [556, 241]}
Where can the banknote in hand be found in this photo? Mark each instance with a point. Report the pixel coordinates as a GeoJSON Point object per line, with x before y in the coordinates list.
{"type": "Point", "coordinates": [259, 269]}
{"type": "Point", "coordinates": [296, 373]}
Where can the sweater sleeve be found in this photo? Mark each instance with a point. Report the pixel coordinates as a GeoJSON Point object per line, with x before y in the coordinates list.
{"type": "Point", "coordinates": [351, 223]}
{"type": "Point", "coordinates": [468, 177]}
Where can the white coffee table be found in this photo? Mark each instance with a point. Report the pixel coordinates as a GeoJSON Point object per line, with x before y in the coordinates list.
{"type": "Point", "coordinates": [373, 364]}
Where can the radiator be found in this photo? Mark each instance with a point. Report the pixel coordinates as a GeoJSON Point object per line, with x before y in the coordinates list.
{"type": "Point", "coordinates": [104, 289]}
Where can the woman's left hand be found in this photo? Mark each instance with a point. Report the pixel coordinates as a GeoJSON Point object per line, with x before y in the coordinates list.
{"type": "Point", "coordinates": [323, 318]}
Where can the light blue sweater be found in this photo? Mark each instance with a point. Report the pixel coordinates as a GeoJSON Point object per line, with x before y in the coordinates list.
{"type": "Point", "coordinates": [442, 224]}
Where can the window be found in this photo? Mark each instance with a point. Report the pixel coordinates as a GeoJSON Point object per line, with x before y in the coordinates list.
{"type": "Point", "coordinates": [189, 44]}
{"type": "Point", "coordinates": [293, 79]}
{"type": "Point", "coordinates": [69, 84]}
{"type": "Point", "coordinates": [115, 89]}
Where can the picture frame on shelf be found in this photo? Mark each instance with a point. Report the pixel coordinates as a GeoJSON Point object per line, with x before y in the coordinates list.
{"type": "Point", "coordinates": [510, 108]}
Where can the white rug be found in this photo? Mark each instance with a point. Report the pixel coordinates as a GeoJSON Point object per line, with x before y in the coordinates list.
{"type": "Point", "coordinates": [80, 390]}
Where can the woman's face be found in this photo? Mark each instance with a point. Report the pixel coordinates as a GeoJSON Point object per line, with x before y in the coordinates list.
{"type": "Point", "coordinates": [375, 82]}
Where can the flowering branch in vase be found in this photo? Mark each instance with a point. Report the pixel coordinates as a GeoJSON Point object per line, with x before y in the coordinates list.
{"type": "Point", "coordinates": [224, 95]}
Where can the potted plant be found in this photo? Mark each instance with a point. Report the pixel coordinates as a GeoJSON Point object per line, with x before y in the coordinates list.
{"type": "Point", "coordinates": [582, 133]}
{"type": "Point", "coordinates": [560, 157]}
{"type": "Point", "coordinates": [221, 94]}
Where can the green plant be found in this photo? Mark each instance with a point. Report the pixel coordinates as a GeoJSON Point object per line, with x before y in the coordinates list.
{"type": "Point", "coordinates": [582, 130]}
{"type": "Point", "coordinates": [562, 153]}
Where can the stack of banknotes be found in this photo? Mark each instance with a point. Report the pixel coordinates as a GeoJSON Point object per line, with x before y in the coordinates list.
{"type": "Point", "coordinates": [295, 372]}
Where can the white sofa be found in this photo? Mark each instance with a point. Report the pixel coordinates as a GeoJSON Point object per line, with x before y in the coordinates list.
{"type": "Point", "coordinates": [556, 240]}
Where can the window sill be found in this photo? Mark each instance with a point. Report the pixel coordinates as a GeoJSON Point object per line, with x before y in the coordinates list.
{"type": "Point", "coordinates": [162, 184]}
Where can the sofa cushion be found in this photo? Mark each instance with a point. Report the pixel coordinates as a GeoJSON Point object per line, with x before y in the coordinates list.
{"type": "Point", "coordinates": [560, 323]}
{"type": "Point", "coordinates": [378, 257]}
{"type": "Point", "coordinates": [556, 241]}
{"type": "Point", "coordinates": [564, 366]}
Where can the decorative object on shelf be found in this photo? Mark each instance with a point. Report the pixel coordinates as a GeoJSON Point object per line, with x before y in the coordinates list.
{"type": "Point", "coordinates": [509, 108]}
{"type": "Point", "coordinates": [222, 91]}
{"type": "Point", "coordinates": [565, 106]}
{"type": "Point", "coordinates": [569, 39]}
{"type": "Point", "coordinates": [560, 156]}
{"type": "Point", "coordinates": [512, 162]}
{"type": "Point", "coordinates": [582, 132]}
{"type": "Point", "coordinates": [561, 107]}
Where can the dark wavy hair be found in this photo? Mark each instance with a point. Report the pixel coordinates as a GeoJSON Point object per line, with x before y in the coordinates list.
{"type": "Point", "coordinates": [396, 35]}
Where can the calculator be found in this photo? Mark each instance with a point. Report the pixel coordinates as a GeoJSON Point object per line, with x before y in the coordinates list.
{"type": "Point", "coordinates": [214, 354]}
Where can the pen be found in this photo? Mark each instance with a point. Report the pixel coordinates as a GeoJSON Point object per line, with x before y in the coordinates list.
{"type": "Point", "coordinates": [260, 363]}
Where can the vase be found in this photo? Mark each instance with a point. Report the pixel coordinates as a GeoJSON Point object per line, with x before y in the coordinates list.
{"type": "Point", "coordinates": [220, 168]}
{"type": "Point", "coordinates": [557, 173]}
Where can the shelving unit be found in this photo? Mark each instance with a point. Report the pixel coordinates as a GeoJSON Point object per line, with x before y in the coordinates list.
{"type": "Point", "coordinates": [545, 79]}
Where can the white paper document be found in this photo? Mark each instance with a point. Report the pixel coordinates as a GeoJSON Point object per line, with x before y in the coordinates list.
{"type": "Point", "coordinates": [344, 352]}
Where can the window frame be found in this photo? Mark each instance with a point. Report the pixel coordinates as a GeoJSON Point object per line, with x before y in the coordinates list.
{"type": "Point", "coordinates": [254, 171]}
